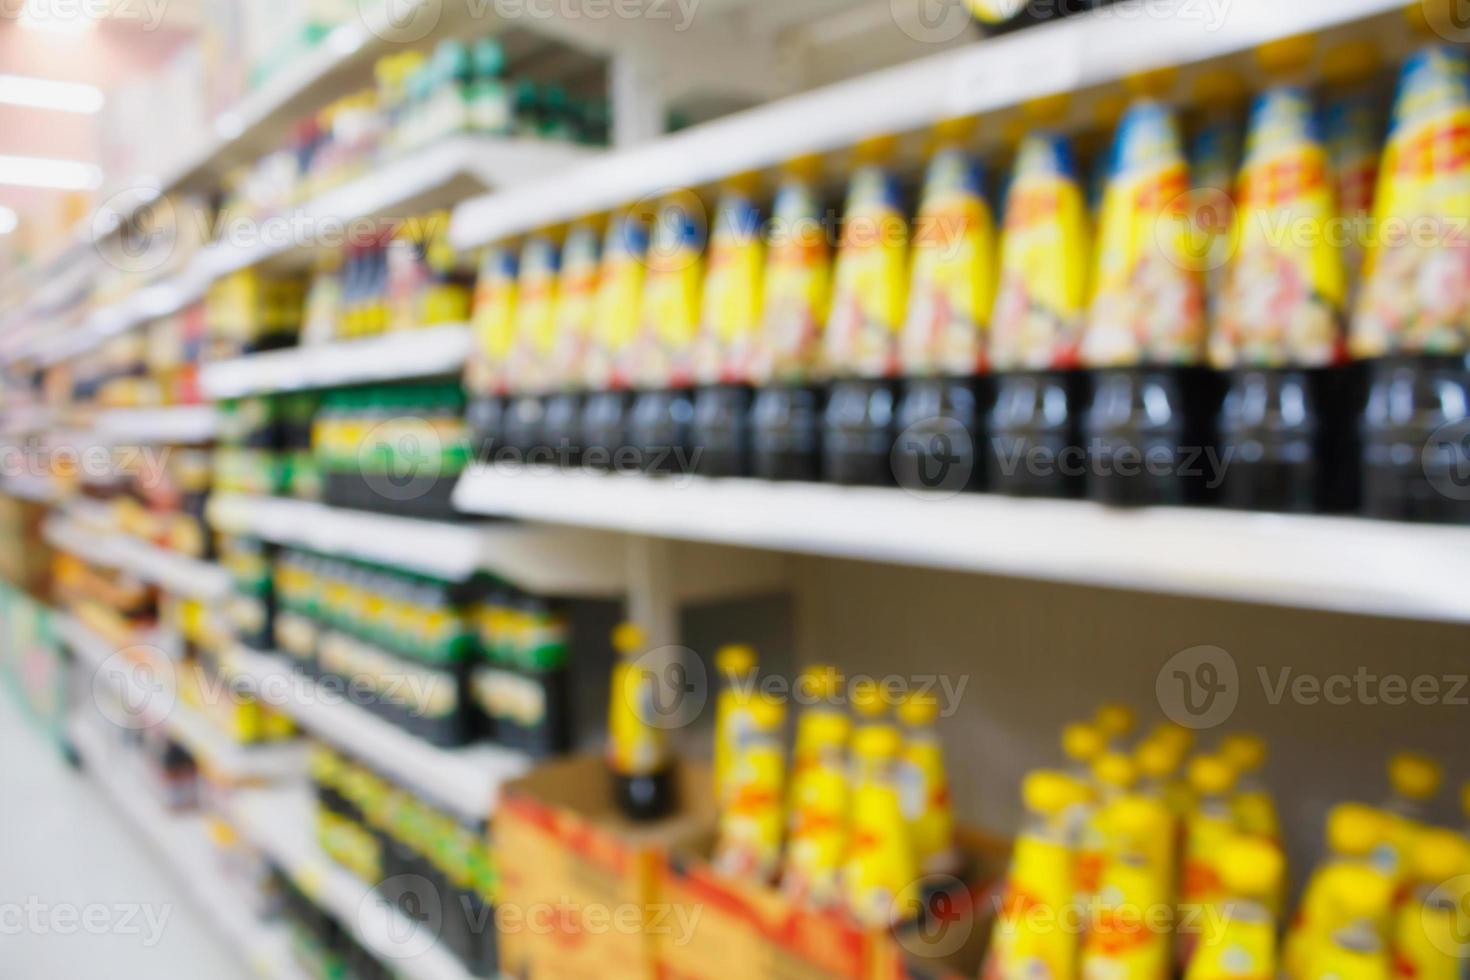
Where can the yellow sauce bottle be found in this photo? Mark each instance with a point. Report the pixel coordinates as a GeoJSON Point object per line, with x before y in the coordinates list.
{"type": "Point", "coordinates": [925, 784]}
{"type": "Point", "coordinates": [733, 280]}
{"type": "Point", "coordinates": [1116, 722]}
{"type": "Point", "coordinates": [576, 304]}
{"type": "Point", "coordinates": [1129, 938]}
{"type": "Point", "coordinates": [1354, 831]}
{"type": "Point", "coordinates": [1415, 780]}
{"type": "Point", "coordinates": [638, 750]}
{"type": "Point", "coordinates": [1206, 831]}
{"type": "Point", "coordinates": [819, 812]}
{"type": "Point", "coordinates": [661, 354]}
{"type": "Point", "coordinates": [1027, 942]}
{"type": "Point", "coordinates": [494, 322]}
{"type": "Point", "coordinates": [1254, 806]}
{"type": "Point", "coordinates": [736, 666]}
{"type": "Point", "coordinates": [1428, 933]}
{"type": "Point", "coordinates": [1113, 776]}
{"type": "Point", "coordinates": [869, 292]}
{"type": "Point", "coordinates": [880, 874]}
{"type": "Point", "coordinates": [952, 264]}
{"type": "Point", "coordinates": [1238, 942]}
{"type": "Point", "coordinates": [752, 816]}
{"type": "Point", "coordinates": [619, 302]}
{"type": "Point", "coordinates": [817, 688]}
{"type": "Point", "coordinates": [529, 361]}
{"type": "Point", "coordinates": [1355, 950]}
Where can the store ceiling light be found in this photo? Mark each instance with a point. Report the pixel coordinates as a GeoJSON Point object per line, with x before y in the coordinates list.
{"type": "Point", "coordinates": [46, 93]}
{"type": "Point", "coordinates": [8, 221]}
{"type": "Point", "coordinates": [59, 16]}
{"type": "Point", "coordinates": [66, 175]}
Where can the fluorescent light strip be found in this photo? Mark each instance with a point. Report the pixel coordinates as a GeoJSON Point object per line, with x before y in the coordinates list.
{"type": "Point", "coordinates": [46, 93]}
{"type": "Point", "coordinates": [65, 175]}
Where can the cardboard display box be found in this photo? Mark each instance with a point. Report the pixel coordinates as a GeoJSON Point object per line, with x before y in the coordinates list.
{"type": "Point", "coordinates": [579, 883]}
{"type": "Point", "coordinates": [746, 931]}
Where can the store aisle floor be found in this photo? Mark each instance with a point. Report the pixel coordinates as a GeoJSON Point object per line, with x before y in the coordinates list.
{"type": "Point", "coordinates": [81, 895]}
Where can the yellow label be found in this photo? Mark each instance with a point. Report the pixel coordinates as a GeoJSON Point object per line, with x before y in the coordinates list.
{"type": "Point", "coordinates": [529, 360]}
{"type": "Point", "coordinates": [494, 321]}
{"type": "Point", "coordinates": [751, 816]}
{"type": "Point", "coordinates": [797, 289]}
{"type": "Point", "coordinates": [1042, 293]}
{"type": "Point", "coordinates": [869, 292]}
{"type": "Point", "coordinates": [732, 294]}
{"type": "Point", "coordinates": [1029, 939]}
{"type": "Point", "coordinates": [1235, 947]}
{"type": "Point", "coordinates": [952, 277]}
{"type": "Point", "coordinates": [1416, 293]}
{"type": "Point", "coordinates": [618, 305]}
{"type": "Point", "coordinates": [576, 305]}
{"type": "Point", "coordinates": [1283, 296]}
{"type": "Point", "coordinates": [1148, 306]}
{"type": "Point", "coordinates": [661, 355]}
{"type": "Point", "coordinates": [637, 746]}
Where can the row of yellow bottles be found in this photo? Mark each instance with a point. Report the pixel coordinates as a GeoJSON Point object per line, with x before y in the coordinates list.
{"type": "Point", "coordinates": [864, 813]}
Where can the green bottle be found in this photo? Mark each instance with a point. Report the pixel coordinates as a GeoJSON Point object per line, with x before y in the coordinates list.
{"type": "Point", "coordinates": [492, 111]}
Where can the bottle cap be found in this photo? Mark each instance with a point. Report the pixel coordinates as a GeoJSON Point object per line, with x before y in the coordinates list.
{"type": "Point", "coordinates": [1361, 891]}
{"type": "Point", "coordinates": [876, 742]}
{"type": "Point", "coordinates": [821, 682]}
{"type": "Point", "coordinates": [919, 710]}
{"type": "Point", "coordinates": [1439, 855]}
{"type": "Point", "coordinates": [1157, 759]}
{"type": "Point", "coordinates": [1155, 83]}
{"type": "Point", "coordinates": [1047, 110]}
{"type": "Point", "coordinates": [1350, 62]}
{"type": "Point", "coordinates": [1174, 734]}
{"type": "Point", "coordinates": [1211, 775]}
{"type": "Point", "coordinates": [1133, 817]}
{"type": "Point", "coordinates": [1116, 720]}
{"type": "Point", "coordinates": [735, 659]}
{"type": "Point", "coordinates": [1219, 87]}
{"type": "Point", "coordinates": [805, 167]}
{"type": "Point", "coordinates": [1414, 776]}
{"type": "Point", "coordinates": [767, 712]}
{"type": "Point", "coordinates": [1353, 829]}
{"type": "Point", "coordinates": [956, 130]}
{"type": "Point", "coordinates": [867, 699]}
{"type": "Point", "coordinates": [827, 727]}
{"type": "Point", "coordinates": [1115, 769]}
{"type": "Point", "coordinates": [628, 639]}
{"type": "Point", "coordinates": [1251, 867]}
{"type": "Point", "coordinates": [1048, 792]}
{"type": "Point", "coordinates": [1287, 54]}
{"type": "Point", "coordinates": [1244, 750]}
{"type": "Point", "coordinates": [1082, 742]}
{"type": "Point", "coordinates": [875, 149]}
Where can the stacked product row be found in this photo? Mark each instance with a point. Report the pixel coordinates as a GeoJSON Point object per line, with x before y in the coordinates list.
{"type": "Point", "coordinates": [436, 869]}
{"type": "Point", "coordinates": [1284, 329]}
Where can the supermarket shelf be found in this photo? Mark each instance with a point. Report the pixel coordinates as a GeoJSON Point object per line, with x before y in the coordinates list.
{"type": "Point", "coordinates": [1104, 46]}
{"type": "Point", "coordinates": [550, 561]}
{"type": "Point", "coordinates": [171, 425]}
{"type": "Point", "coordinates": [438, 176]}
{"type": "Point", "coordinates": [466, 780]}
{"type": "Point", "coordinates": [279, 823]}
{"type": "Point", "coordinates": [180, 841]}
{"type": "Point", "coordinates": [420, 353]}
{"type": "Point", "coordinates": [1337, 564]}
{"type": "Point", "coordinates": [152, 691]}
{"type": "Point", "coordinates": [168, 570]}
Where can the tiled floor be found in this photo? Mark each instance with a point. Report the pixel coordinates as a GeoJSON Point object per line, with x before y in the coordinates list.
{"type": "Point", "coordinates": [81, 896]}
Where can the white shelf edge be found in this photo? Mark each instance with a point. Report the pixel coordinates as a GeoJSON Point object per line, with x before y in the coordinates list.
{"type": "Point", "coordinates": [1335, 564]}
{"type": "Point", "coordinates": [174, 572]}
{"type": "Point", "coordinates": [545, 560]}
{"type": "Point", "coordinates": [173, 424]}
{"type": "Point", "coordinates": [181, 843]}
{"type": "Point", "coordinates": [465, 780]}
{"type": "Point", "coordinates": [421, 353]}
{"type": "Point", "coordinates": [1100, 47]}
{"type": "Point", "coordinates": [278, 823]}
{"type": "Point", "coordinates": [160, 705]}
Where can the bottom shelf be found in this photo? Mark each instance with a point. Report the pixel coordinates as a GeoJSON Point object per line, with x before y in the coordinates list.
{"type": "Point", "coordinates": [181, 841]}
{"type": "Point", "coordinates": [278, 822]}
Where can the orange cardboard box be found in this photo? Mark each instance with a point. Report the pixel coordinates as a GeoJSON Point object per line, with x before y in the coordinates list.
{"type": "Point", "coordinates": [578, 897]}
{"type": "Point", "coordinates": [743, 931]}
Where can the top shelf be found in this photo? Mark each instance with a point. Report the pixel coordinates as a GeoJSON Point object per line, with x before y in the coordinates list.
{"type": "Point", "coordinates": [1105, 46]}
{"type": "Point", "coordinates": [1336, 564]}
